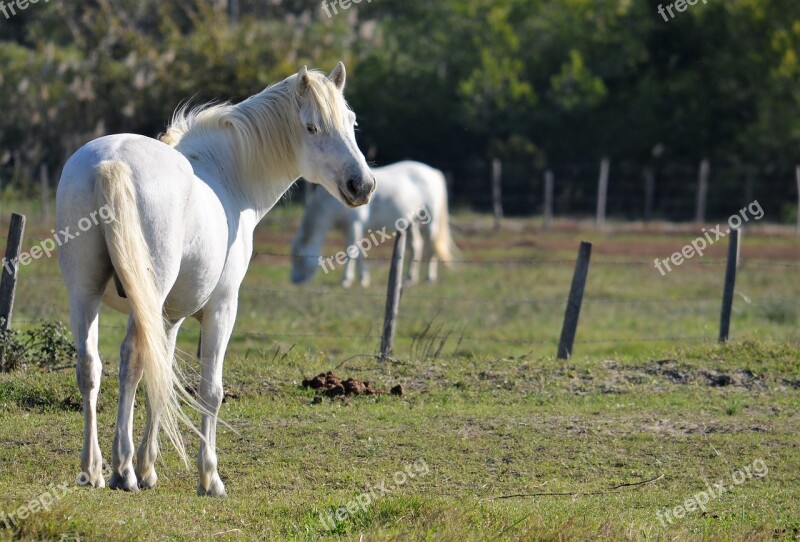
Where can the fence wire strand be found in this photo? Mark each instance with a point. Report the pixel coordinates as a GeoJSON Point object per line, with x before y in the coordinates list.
{"type": "Point", "coordinates": [559, 300]}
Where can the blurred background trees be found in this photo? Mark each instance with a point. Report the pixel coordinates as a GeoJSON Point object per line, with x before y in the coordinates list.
{"type": "Point", "coordinates": [539, 84]}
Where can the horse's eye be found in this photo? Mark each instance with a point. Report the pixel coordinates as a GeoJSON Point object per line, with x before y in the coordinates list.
{"type": "Point", "coordinates": [313, 129]}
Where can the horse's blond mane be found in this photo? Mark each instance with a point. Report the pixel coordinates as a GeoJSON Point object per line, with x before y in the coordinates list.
{"type": "Point", "coordinates": [265, 128]}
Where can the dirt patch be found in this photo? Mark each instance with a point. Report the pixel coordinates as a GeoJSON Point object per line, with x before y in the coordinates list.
{"type": "Point", "coordinates": [659, 376]}
{"type": "Point", "coordinates": [332, 386]}
{"type": "Point", "coordinates": [682, 374]}
{"type": "Point", "coordinates": [683, 427]}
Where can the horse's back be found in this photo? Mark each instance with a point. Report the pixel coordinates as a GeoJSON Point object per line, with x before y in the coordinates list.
{"type": "Point", "coordinates": [411, 186]}
{"type": "Point", "coordinates": [151, 161]}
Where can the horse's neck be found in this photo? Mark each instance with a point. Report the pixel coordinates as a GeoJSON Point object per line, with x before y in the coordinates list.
{"type": "Point", "coordinates": [215, 161]}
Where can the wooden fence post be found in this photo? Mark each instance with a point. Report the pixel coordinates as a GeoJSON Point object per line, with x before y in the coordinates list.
{"type": "Point", "coordinates": [748, 189]}
{"type": "Point", "coordinates": [602, 192]}
{"type": "Point", "coordinates": [549, 181]}
{"type": "Point", "coordinates": [702, 192]}
{"type": "Point", "coordinates": [44, 191]}
{"type": "Point", "coordinates": [233, 12]}
{"type": "Point", "coordinates": [649, 193]}
{"type": "Point", "coordinates": [730, 283]}
{"type": "Point", "coordinates": [497, 194]}
{"type": "Point", "coordinates": [797, 175]}
{"type": "Point", "coordinates": [8, 275]}
{"type": "Point", "coordinates": [573, 311]}
{"type": "Point", "coordinates": [393, 292]}
{"type": "Point", "coordinates": [16, 176]}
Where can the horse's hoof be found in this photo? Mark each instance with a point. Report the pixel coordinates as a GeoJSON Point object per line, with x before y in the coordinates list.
{"type": "Point", "coordinates": [365, 283]}
{"type": "Point", "coordinates": [125, 482]}
{"type": "Point", "coordinates": [216, 489]}
{"type": "Point", "coordinates": [85, 480]}
{"type": "Point", "coordinates": [147, 481]}
{"type": "Point", "coordinates": [347, 283]}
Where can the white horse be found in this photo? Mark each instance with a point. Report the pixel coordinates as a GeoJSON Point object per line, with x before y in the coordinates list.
{"type": "Point", "coordinates": [185, 208]}
{"type": "Point", "coordinates": [409, 195]}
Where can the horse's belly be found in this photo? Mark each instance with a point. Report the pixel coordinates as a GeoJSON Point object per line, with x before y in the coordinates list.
{"type": "Point", "coordinates": [182, 301]}
{"type": "Point", "coordinates": [190, 293]}
{"type": "Point", "coordinates": [203, 256]}
{"type": "Point", "coordinates": [114, 301]}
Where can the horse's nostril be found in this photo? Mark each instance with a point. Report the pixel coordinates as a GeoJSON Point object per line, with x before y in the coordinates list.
{"type": "Point", "coordinates": [351, 187]}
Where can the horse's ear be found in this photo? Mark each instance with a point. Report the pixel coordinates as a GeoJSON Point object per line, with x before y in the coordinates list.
{"type": "Point", "coordinates": [338, 75]}
{"type": "Point", "coordinates": [302, 81]}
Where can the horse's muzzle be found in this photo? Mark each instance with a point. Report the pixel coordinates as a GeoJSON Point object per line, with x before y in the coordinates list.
{"type": "Point", "coordinates": [358, 192]}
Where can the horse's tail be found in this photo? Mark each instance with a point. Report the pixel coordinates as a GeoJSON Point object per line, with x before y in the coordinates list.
{"type": "Point", "coordinates": [130, 256]}
{"type": "Point", "coordinates": [443, 243]}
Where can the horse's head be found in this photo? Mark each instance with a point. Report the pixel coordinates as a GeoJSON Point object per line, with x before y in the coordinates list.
{"type": "Point", "coordinates": [329, 155]}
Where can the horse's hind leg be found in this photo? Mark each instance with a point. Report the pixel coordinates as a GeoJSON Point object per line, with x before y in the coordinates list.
{"type": "Point", "coordinates": [363, 270]}
{"type": "Point", "coordinates": [130, 373]}
{"type": "Point", "coordinates": [147, 453]}
{"type": "Point", "coordinates": [433, 261]}
{"type": "Point", "coordinates": [84, 315]}
{"type": "Point", "coordinates": [416, 243]}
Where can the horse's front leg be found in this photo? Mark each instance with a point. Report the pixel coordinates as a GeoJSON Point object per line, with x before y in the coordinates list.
{"type": "Point", "coordinates": [349, 272]}
{"type": "Point", "coordinates": [354, 233]}
{"type": "Point", "coordinates": [217, 326]}
{"type": "Point", "coordinates": [147, 452]}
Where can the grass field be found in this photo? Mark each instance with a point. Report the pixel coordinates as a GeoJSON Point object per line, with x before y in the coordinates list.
{"type": "Point", "coordinates": [648, 399]}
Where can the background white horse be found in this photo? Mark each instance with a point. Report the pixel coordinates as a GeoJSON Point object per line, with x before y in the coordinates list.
{"type": "Point", "coordinates": [185, 210]}
{"type": "Point", "coordinates": [406, 191]}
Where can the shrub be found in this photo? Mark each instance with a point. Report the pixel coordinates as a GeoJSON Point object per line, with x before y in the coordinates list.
{"type": "Point", "coordinates": [47, 345]}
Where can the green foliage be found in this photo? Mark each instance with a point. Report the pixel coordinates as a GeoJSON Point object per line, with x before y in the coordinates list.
{"type": "Point", "coordinates": [47, 345]}
{"type": "Point", "coordinates": [574, 86]}
{"type": "Point", "coordinates": [538, 81]}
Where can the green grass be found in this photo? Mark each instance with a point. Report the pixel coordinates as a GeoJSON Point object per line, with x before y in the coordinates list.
{"type": "Point", "coordinates": [648, 393]}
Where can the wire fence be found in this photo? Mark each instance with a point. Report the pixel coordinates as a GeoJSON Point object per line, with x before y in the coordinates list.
{"type": "Point", "coordinates": [520, 313]}
{"type": "Point", "coordinates": [649, 190]}
{"type": "Point", "coordinates": [427, 314]}
{"type": "Point", "coordinates": [636, 189]}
